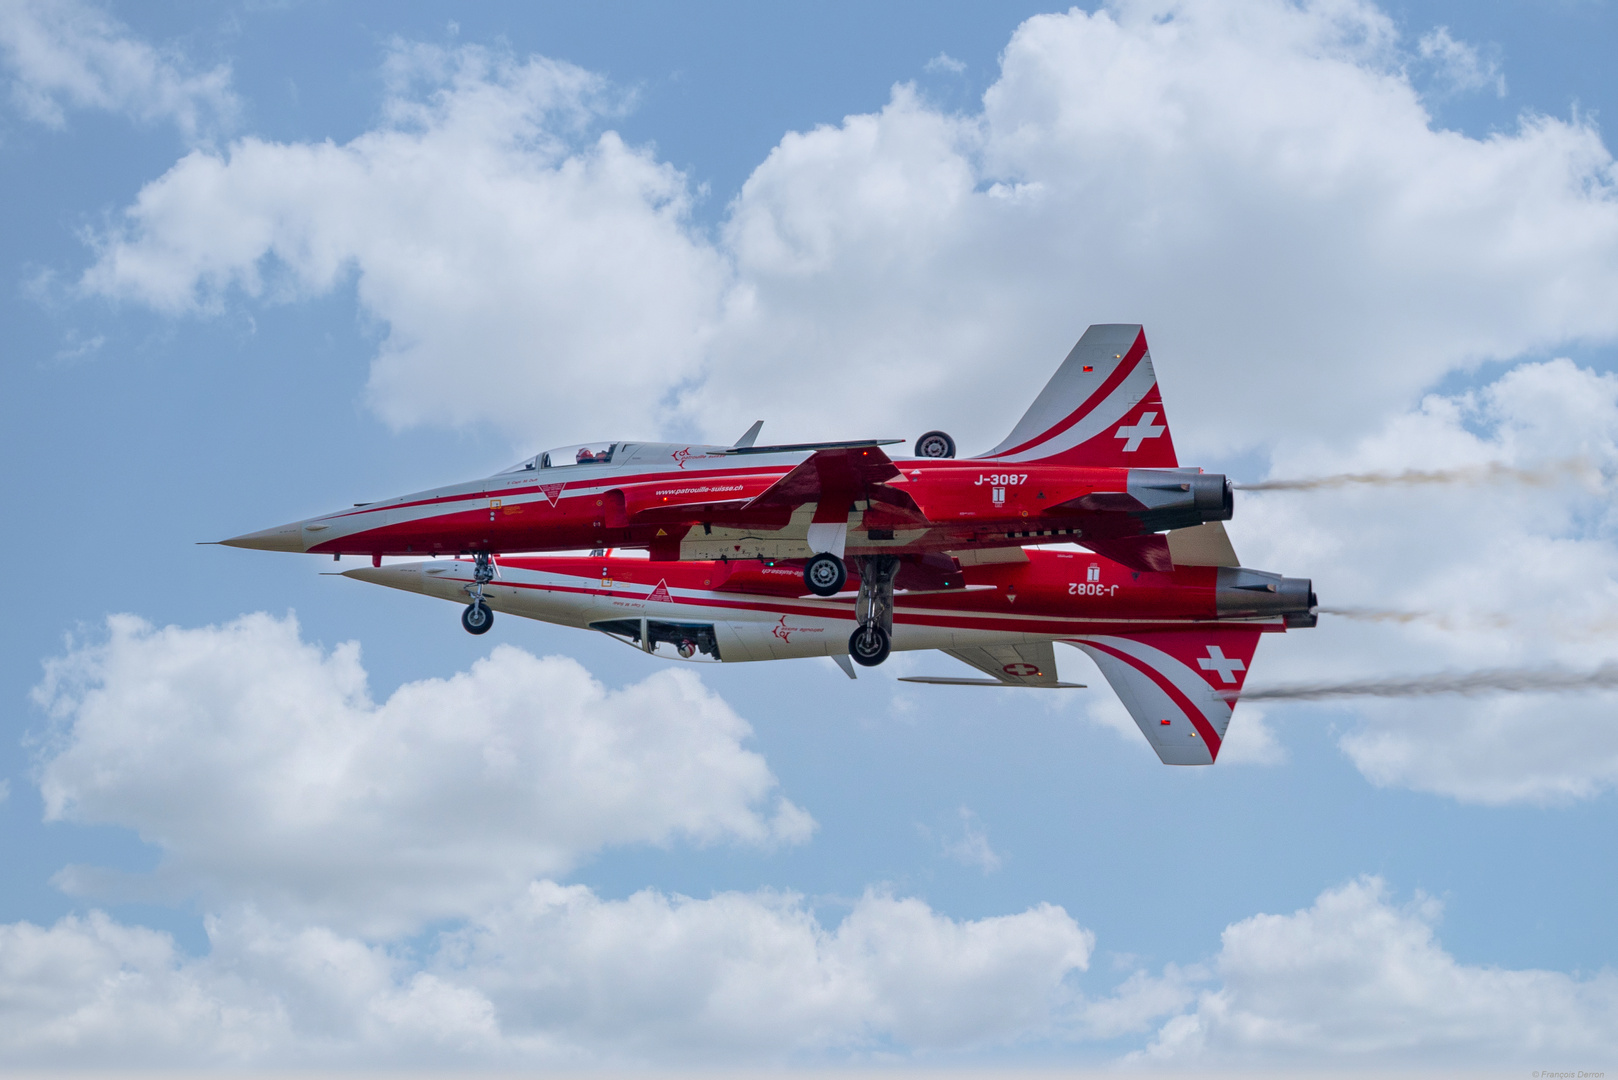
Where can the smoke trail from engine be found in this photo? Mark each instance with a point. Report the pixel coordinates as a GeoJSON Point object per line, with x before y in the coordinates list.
{"type": "Point", "coordinates": [1466, 683]}
{"type": "Point", "coordinates": [1492, 620]}
{"type": "Point", "coordinates": [1359, 614]}
{"type": "Point", "coordinates": [1494, 472]}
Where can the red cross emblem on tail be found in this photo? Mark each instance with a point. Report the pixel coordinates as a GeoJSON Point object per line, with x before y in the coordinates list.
{"type": "Point", "coordinates": [1134, 434]}
{"type": "Point", "coordinates": [1216, 660]}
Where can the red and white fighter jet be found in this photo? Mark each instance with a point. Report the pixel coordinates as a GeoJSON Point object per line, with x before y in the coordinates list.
{"type": "Point", "coordinates": [1091, 462]}
{"type": "Point", "coordinates": [1175, 645]}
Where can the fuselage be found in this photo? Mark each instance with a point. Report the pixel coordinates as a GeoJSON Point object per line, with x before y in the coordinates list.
{"type": "Point", "coordinates": [696, 502]}
{"type": "Point", "coordinates": [755, 611]}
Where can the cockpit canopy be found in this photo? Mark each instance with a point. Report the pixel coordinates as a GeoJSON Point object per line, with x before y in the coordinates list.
{"type": "Point", "coordinates": [566, 456]}
{"type": "Point", "coordinates": [578, 454]}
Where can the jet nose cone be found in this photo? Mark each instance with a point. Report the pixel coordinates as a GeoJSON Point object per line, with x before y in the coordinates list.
{"type": "Point", "coordinates": [281, 538]}
{"type": "Point", "coordinates": [406, 577]}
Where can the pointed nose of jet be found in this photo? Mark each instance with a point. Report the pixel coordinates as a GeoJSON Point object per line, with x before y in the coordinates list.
{"type": "Point", "coordinates": [280, 538]}
{"type": "Point", "coordinates": [398, 576]}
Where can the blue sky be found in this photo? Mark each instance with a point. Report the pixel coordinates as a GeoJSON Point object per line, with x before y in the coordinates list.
{"type": "Point", "coordinates": [266, 260]}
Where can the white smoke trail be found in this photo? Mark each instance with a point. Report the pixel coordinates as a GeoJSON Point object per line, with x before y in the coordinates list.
{"type": "Point", "coordinates": [1490, 620]}
{"type": "Point", "coordinates": [1466, 683]}
{"type": "Point", "coordinates": [1553, 472]}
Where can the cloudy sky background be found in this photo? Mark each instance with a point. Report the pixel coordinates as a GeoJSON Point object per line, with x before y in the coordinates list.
{"type": "Point", "coordinates": [266, 260]}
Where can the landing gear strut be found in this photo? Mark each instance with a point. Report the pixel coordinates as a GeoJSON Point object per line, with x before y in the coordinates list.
{"type": "Point", "coordinates": [870, 644]}
{"type": "Point", "coordinates": [477, 618]}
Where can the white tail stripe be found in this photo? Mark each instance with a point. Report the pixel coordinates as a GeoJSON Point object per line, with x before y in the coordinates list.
{"type": "Point", "coordinates": [1148, 705]}
{"type": "Point", "coordinates": [1196, 689]}
{"type": "Point", "coordinates": [1109, 413]}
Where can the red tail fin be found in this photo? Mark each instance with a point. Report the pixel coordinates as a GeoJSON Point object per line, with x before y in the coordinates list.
{"type": "Point", "coordinates": [1179, 686]}
{"type": "Point", "coordinates": [1100, 408]}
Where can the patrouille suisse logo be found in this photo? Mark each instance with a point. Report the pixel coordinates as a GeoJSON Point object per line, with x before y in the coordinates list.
{"type": "Point", "coordinates": [785, 632]}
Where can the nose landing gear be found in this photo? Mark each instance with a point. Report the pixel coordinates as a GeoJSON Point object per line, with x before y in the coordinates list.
{"type": "Point", "coordinates": [873, 640]}
{"type": "Point", "coordinates": [477, 618]}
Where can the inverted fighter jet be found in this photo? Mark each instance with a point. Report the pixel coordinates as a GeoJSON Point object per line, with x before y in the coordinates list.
{"type": "Point", "coordinates": [1091, 462]}
{"type": "Point", "coordinates": [1175, 645]}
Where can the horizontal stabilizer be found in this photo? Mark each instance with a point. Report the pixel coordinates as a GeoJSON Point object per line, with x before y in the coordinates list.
{"type": "Point", "coordinates": [1179, 686]}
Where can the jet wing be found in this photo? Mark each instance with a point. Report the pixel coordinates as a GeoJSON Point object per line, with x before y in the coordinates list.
{"type": "Point", "coordinates": [1030, 664]}
{"type": "Point", "coordinates": [841, 473]}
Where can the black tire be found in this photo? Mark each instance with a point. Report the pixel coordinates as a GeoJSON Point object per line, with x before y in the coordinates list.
{"type": "Point", "coordinates": [869, 645]}
{"type": "Point", "coordinates": [825, 574]}
{"type": "Point", "coordinates": [935, 444]}
{"type": "Point", "coordinates": [477, 618]}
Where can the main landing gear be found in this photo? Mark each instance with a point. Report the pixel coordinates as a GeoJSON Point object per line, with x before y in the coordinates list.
{"type": "Point", "coordinates": [873, 640]}
{"type": "Point", "coordinates": [825, 574]}
{"type": "Point", "coordinates": [477, 618]}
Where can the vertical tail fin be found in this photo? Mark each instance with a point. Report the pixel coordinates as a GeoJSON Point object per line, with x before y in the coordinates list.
{"type": "Point", "coordinates": [1175, 684]}
{"type": "Point", "coordinates": [1100, 408]}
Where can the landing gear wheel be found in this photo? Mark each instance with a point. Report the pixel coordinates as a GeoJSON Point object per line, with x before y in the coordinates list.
{"type": "Point", "coordinates": [935, 444]}
{"type": "Point", "coordinates": [869, 645]}
{"type": "Point", "coordinates": [825, 574]}
{"type": "Point", "coordinates": [477, 618]}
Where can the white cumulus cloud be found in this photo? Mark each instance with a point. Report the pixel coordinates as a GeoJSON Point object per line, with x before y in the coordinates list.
{"type": "Point", "coordinates": [482, 228]}
{"type": "Point", "coordinates": [63, 55]}
{"type": "Point", "coordinates": [261, 768]}
{"type": "Point", "coordinates": [758, 973]}
{"type": "Point", "coordinates": [558, 975]}
{"type": "Point", "coordinates": [1362, 980]}
{"type": "Point", "coordinates": [1460, 65]}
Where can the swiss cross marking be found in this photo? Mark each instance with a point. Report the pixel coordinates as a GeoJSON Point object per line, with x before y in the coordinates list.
{"type": "Point", "coordinates": [1021, 670]}
{"type": "Point", "coordinates": [1216, 660]}
{"type": "Point", "coordinates": [1134, 434]}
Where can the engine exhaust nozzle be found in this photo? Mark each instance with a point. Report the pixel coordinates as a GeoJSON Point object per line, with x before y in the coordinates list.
{"type": "Point", "coordinates": [1180, 498]}
{"type": "Point", "coordinates": [1243, 593]}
